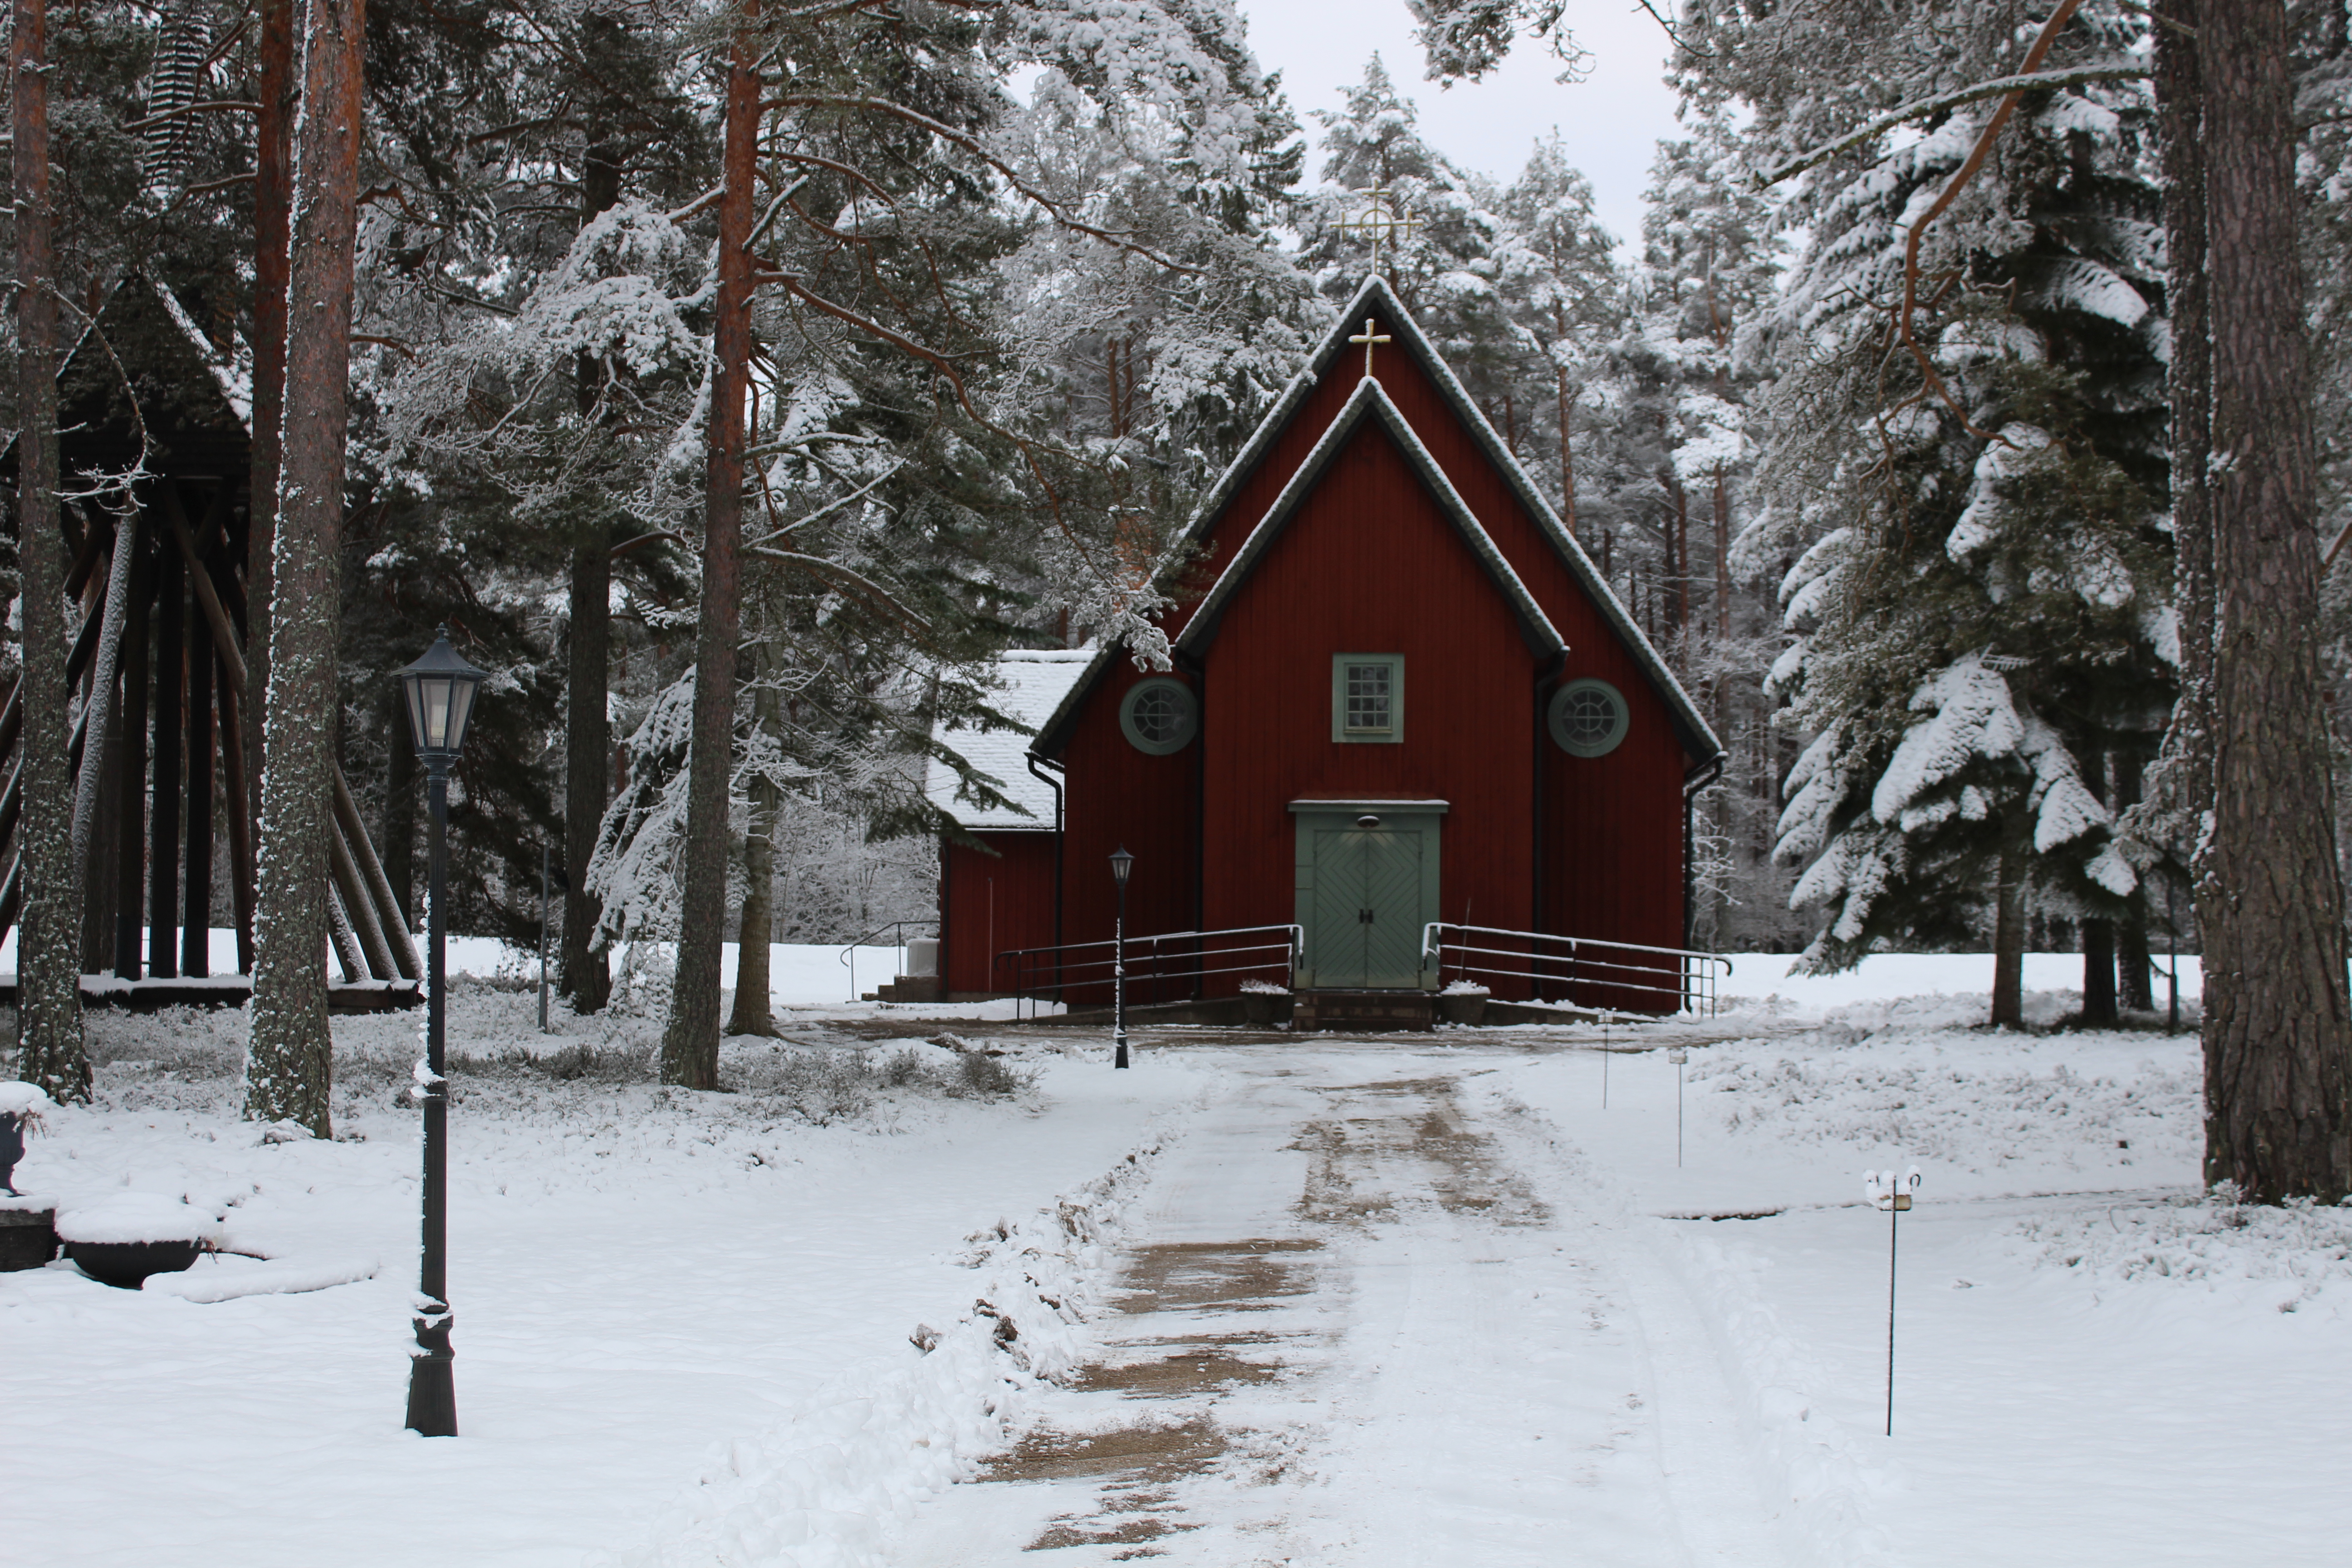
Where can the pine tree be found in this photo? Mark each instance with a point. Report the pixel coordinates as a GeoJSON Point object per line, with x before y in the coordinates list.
{"type": "Point", "coordinates": [1562, 287]}
{"type": "Point", "coordinates": [1982, 617]}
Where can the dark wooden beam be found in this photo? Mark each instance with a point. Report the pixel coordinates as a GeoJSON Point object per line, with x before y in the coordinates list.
{"type": "Point", "coordinates": [163, 840]}
{"type": "Point", "coordinates": [197, 917]}
{"type": "Point", "coordinates": [131, 803]}
{"type": "Point", "coordinates": [240, 825]}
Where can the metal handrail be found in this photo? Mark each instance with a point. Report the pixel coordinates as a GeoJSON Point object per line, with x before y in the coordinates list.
{"type": "Point", "coordinates": [1027, 970]}
{"type": "Point", "coordinates": [1587, 961]}
{"type": "Point", "coordinates": [849, 953]}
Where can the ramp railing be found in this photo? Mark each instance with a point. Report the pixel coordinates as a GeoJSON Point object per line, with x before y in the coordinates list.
{"type": "Point", "coordinates": [1562, 967]}
{"type": "Point", "coordinates": [1166, 966]}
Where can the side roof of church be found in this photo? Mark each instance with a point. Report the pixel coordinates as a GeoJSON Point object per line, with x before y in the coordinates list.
{"type": "Point", "coordinates": [1370, 401]}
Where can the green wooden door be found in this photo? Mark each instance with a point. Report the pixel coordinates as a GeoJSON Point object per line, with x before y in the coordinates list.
{"type": "Point", "coordinates": [1365, 929]}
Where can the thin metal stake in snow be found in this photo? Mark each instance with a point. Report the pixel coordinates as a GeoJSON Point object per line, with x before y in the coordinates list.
{"type": "Point", "coordinates": [1678, 1055]}
{"type": "Point", "coordinates": [1606, 1050]}
{"type": "Point", "coordinates": [544, 852]}
{"type": "Point", "coordinates": [1893, 1193]}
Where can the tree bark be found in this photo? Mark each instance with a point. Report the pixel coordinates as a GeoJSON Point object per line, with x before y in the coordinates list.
{"type": "Point", "coordinates": [2134, 985]}
{"type": "Point", "coordinates": [2270, 900]}
{"type": "Point", "coordinates": [754, 1000]}
{"type": "Point", "coordinates": [289, 1063]}
{"type": "Point", "coordinates": [273, 205]}
{"type": "Point", "coordinates": [51, 1051]}
{"type": "Point", "coordinates": [2009, 939]}
{"type": "Point", "coordinates": [690, 1041]}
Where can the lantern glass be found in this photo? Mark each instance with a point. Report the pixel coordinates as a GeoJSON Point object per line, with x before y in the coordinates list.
{"type": "Point", "coordinates": [440, 689]}
{"type": "Point", "coordinates": [1121, 863]}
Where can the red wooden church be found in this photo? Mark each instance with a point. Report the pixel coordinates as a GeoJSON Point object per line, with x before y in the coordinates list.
{"type": "Point", "coordinates": [1406, 720]}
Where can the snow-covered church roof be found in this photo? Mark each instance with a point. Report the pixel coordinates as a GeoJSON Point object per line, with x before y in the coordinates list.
{"type": "Point", "coordinates": [1034, 681]}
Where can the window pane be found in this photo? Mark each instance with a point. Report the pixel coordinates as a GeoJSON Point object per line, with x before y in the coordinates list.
{"type": "Point", "coordinates": [1369, 700]}
{"type": "Point", "coordinates": [1589, 718]}
{"type": "Point", "coordinates": [1157, 716]}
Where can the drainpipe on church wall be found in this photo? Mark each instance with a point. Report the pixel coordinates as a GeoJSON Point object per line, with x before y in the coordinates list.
{"type": "Point", "coordinates": [1037, 766]}
{"type": "Point", "coordinates": [1697, 779]}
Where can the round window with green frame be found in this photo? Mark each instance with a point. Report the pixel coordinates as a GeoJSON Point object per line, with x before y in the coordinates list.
{"type": "Point", "coordinates": [1588, 718]}
{"type": "Point", "coordinates": [1159, 716]}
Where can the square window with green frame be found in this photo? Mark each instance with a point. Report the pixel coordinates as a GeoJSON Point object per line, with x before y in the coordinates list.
{"type": "Point", "coordinates": [1368, 697]}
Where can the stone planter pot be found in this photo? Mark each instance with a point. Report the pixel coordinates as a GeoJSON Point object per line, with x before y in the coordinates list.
{"type": "Point", "coordinates": [126, 1264]}
{"type": "Point", "coordinates": [1462, 1007]}
{"type": "Point", "coordinates": [28, 1238]}
{"type": "Point", "coordinates": [1265, 1010]}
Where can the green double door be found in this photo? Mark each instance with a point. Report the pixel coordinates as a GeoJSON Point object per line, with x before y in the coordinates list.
{"type": "Point", "coordinates": [1365, 893]}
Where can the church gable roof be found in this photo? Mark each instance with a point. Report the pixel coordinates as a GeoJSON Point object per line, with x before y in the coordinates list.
{"type": "Point", "coordinates": [1377, 300]}
{"type": "Point", "coordinates": [1370, 403]}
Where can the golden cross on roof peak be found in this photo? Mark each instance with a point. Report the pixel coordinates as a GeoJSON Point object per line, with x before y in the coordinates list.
{"type": "Point", "coordinates": [1381, 218]}
{"type": "Point", "coordinates": [1368, 338]}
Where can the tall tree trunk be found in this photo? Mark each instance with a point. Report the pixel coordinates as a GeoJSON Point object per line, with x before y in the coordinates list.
{"type": "Point", "coordinates": [691, 1040]}
{"type": "Point", "coordinates": [50, 1052]}
{"type": "Point", "coordinates": [273, 205]}
{"type": "Point", "coordinates": [2270, 899]}
{"type": "Point", "coordinates": [291, 1056]}
{"type": "Point", "coordinates": [2098, 934]}
{"type": "Point", "coordinates": [2098, 975]}
{"type": "Point", "coordinates": [2134, 987]}
{"type": "Point", "coordinates": [587, 978]}
{"type": "Point", "coordinates": [2009, 939]}
{"type": "Point", "coordinates": [754, 1000]}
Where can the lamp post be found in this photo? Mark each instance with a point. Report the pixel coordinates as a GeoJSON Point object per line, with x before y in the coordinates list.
{"type": "Point", "coordinates": [440, 689]}
{"type": "Point", "coordinates": [1121, 863]}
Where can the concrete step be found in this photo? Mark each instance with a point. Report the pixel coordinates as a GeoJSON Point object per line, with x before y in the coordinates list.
{"type": "Point", "coordinates": [1365, 1011]}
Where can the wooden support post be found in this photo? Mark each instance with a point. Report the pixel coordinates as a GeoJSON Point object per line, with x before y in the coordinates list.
{"type": "Point", "coordinates": [197, 915]}
{"type": "Point", "coordinates": [12, 716]}
{"type": "Point", "coordinates": [347, 946]}
{"type": "Point", "coordinates": [164, 850]}
{"type": "Point", "coordinates": [240, 825]}
{"type": "Point", "coordinates": [379, 886]}
{"type": "Point", "coordinates": [131, 805]}
{"type": "Point", "coordinates": [358, 909]}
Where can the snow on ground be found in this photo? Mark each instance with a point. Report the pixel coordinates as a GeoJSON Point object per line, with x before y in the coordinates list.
{"type": "Point", "coordinates": [637, 1275]}
{"type": "Point", "coordinates": [1421, 1301]}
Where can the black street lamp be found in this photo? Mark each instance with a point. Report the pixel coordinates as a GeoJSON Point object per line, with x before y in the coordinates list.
{"type": "Point", "coordinates": [1121, 863]}
{"type": "Point", "coordinates": [440, 688]}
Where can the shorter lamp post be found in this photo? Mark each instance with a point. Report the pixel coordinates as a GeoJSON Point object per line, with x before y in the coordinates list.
{"type": "Point", "coordinates": [440, 689]}
{"type": "Point", "coordinates": [1121, 863]}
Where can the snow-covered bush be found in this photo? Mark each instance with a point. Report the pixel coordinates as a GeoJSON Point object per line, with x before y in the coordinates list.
{"type": "Point", "coordinates": [2210, 1237]}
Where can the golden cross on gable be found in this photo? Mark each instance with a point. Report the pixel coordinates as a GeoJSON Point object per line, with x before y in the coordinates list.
{"type": "Point", "coordinates": [1368, 338]}
{"type": "Point", "coordinates": [1381, 220]}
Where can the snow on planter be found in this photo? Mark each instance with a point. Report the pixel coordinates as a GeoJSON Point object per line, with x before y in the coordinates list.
{"type": "Point", "coordinates": [134, 1216]}
{"type": "Point", "coordinates": [122, 1240]}
{"type": "Point", "coordinates": [21, 1099]}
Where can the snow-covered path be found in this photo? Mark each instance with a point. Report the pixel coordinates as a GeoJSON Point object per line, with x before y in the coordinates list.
{"type": "Point", "coordinates": [1376, 1315]}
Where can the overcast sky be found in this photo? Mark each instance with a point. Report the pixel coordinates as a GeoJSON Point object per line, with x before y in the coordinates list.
{"type": "Point", "coordinates": [1612, 119]}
